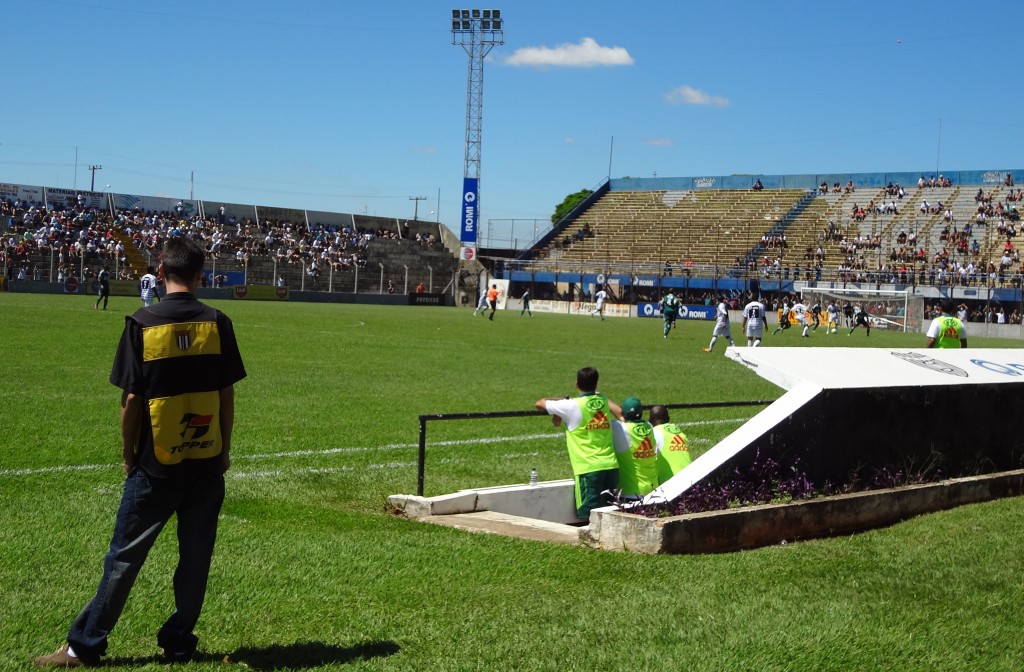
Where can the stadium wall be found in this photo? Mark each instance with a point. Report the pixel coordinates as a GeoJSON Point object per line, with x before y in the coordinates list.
{"type": "Point", "coordinates": [745, 182]}
{"type": "Point", "coordinates": [228, 293]}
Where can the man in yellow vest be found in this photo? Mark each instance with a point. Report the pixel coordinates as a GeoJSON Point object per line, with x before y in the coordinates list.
{"type": "Point", "coordinates": [670, 444]}
{"type": "Point", "coordinates": [588, 436]}
{"type": "Point", "coordinates": [947, 331]}
{"type": "Point", "coordinates": [634, 450]}
{"type": "Point", "coordinates": [176, 364]}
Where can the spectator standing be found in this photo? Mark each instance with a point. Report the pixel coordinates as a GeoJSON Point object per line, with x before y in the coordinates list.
{"type": "Point", "coordinates": [176, 364]}
{"type": "Point", "coordinates": [588, 437]}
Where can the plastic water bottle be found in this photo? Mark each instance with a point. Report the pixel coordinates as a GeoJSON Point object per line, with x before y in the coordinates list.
{"type": "Point", "coordinates": [533, 476]}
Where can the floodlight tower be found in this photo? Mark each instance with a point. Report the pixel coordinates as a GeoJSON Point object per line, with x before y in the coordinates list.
{"type": "Point", "coordinates": [477, 31]}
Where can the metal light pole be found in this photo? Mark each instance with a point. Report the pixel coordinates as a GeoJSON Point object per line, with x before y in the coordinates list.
{"type": "Point", "coordinates": [477, 31]}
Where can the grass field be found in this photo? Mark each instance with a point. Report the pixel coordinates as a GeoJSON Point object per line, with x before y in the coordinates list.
{"type": "Point", "coordinates": [311, 574]}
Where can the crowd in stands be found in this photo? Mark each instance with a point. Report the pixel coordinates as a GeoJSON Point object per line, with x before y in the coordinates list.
{"type": "Point", "coordinates": [933, 182]}
{"type": "Point", "coordinates": [836, 189]}
{"type": "Point", "coordinates": [78, 236]}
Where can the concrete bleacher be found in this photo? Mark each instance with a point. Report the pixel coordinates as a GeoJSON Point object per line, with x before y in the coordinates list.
{"type": "Point", "coordinates": [719, 230]}
{"type": "Point", "coordinates": [707, 227]}
{"type": "Point", "coordinates": [390, 255]}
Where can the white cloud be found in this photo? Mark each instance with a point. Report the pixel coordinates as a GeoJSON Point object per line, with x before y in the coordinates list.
{"type": "Point", "coordinates": [587, 54]}
{"type": "Point", "coordinates": [687, 95]}
{"type": "Point", "coordinates": [658, 142]}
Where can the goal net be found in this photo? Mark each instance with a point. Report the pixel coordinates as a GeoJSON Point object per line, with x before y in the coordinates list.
{"type": "Point", "coordinates": [888, 309]}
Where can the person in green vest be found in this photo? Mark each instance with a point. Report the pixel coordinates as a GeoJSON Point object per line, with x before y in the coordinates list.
{"type": "Point", "coordinates": [947, 331]}
{"type": "Point", "coordinates": [587, 419]}
{"type": "Point", "coordinates": [634, 450]}
{"type": "Point", "coordinates": [670, 444]}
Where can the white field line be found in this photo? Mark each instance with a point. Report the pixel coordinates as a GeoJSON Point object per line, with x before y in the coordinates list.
{"type": "Point", "coordinates": [335, 451]}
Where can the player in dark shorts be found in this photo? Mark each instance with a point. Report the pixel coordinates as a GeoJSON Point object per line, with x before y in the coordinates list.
{"type": "Point", "coordinates": [815, 312]}
{"type": "Point", "coordinates": [783, 319]}
{"type": "Point", "coordinates": [848, 314]}
{"type": "Point", "coordinates": [861, 320]}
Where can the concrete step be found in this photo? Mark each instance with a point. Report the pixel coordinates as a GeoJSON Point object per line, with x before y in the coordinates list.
{"type": "Point", "coordinates": [509, 526]}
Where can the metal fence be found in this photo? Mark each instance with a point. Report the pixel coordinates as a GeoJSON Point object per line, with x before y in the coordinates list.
{"type": "Point", "coordinates": [488, 415]}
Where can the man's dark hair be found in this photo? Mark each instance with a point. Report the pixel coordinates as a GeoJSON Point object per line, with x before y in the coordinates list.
{"type": "Point", "coordinates": [947, 306]}
{"type": "Point", "coordinates": [183, 259]}
{"type": "Point", "coordinates": [658, 415]}
{"type": "Point", "coordinates": [586, 379]}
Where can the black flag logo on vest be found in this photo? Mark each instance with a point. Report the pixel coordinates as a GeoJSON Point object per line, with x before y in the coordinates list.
{"type": "Point", "coordinates": [184, 339]}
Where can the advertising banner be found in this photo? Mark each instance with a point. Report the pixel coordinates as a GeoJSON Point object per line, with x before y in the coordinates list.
{"type": "Point", "coordinates": [470, 210]}
{"type": "Point", "coordinates": [588, 307]}
{"type": "Point", "coordinates": [687, 312]}
{"type": "Point", "coordinates": [426, 299]}
{"type": "Point", "coordinates": [21, 192]}
{"type": "Point", "coordinates": [158, 204]}
{"type": "Point", "coordinates": [57, 198]}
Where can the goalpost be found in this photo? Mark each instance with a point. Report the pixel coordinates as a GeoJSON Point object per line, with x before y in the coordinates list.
{"type": "Point", "coordinates": [888, 308]}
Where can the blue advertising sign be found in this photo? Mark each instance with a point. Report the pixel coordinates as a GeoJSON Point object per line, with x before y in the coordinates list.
{"type": "Point", "coordinates": [470, 210]}
{"type": "Point", "coordinates": [687, 312]}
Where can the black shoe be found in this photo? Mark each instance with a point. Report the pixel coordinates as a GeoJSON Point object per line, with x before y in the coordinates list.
{"type": "Point", "coordinates": [169, 658]}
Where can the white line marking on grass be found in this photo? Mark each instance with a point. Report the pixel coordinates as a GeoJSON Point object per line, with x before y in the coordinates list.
{"type": "Point", "coordinates": [358, 449]}
{"type": "Point", "coordinates": [55, 470]}
{"type": "Point", "coordinates": [396, 446]}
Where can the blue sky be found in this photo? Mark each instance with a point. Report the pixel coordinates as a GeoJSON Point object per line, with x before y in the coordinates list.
{"type": "Point", "coordinates": [354, 107]}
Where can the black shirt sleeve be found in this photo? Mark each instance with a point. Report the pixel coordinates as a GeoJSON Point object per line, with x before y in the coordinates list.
{"type": "Point", "coordinates": [127, 370]}
{"type": "Point", "coordinates": [232, 369]}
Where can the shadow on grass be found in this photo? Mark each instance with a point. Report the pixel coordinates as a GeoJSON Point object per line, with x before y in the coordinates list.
{"type": "Point", "coordinates": [309, 654]}
{"type": "Point", "coordinates": [297, 656]}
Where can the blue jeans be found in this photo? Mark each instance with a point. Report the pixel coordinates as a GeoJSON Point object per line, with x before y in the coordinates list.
{"type": "Point", "coordinates": [146, 505]}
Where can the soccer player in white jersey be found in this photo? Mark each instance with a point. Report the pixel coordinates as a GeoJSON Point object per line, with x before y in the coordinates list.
{"type": "Point", "coordinates": [147, 287]}
{"type": "Point", "coordinates": [599, 305]}
{"type": "Point", "coordinates": [753, 322]}
{"type": "Point", "coordinates": [832, 326]}
{"type": "Point", "coordinates": [482, 305]}
{"type": "Point", "coordinates": [722, 327]}
{"type": "Point", "coordinates": [801, 317]}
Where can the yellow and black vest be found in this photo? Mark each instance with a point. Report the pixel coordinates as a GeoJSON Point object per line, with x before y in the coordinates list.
{"type": "Point", "coordinates": [180, 364]}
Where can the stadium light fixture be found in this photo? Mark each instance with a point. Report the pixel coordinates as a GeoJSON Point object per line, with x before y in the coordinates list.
{"type": "Point", "coordinates": [470, 23]}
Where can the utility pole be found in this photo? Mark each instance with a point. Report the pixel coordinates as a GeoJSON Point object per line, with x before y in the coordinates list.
{"type": "Point", "coordinates": [92, 185]}
{"type": "Point", "coordinates": [416, 209]}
